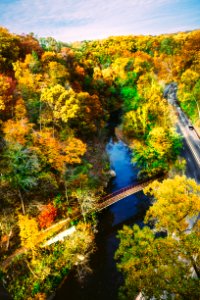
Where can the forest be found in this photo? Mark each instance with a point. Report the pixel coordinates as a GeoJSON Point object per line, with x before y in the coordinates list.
{"type": "Point", "coordinates": [56, 100]}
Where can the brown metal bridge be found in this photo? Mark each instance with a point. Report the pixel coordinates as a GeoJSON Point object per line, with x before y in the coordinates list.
{"type": "Point", "coordinates": [123, 193]}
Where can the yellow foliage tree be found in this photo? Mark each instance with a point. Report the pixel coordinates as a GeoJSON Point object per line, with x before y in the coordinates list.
{"type": "Point", "coordinates": [24, 75]}
{"type": "Point", "coordinates": [5, 95]}
{"type": "Point", "coordinates": [28, 231]}
{"type": "Point", "coordinates": [63, 103]}
{"type": "Point", "coordinates": [180, 197]}
{"type": "Point", "coordinates": [20, 109]}
{"type": "Point", "coordinates": [57, 73]}
{"type": "Point", "coordinates": [74, 149]}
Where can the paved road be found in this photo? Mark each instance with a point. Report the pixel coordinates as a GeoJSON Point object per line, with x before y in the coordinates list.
{"type": "Point", "coordinates": [191, 141]}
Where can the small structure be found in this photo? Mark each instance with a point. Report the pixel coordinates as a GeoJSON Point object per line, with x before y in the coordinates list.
{"type": "Point", "coordinates": [60, 236]}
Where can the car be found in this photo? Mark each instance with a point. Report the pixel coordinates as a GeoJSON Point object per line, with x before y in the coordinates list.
{"type": "Point", "coordinates": [190, 126]}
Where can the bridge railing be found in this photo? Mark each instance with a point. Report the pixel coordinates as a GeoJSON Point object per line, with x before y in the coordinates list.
{"type": "Point", "coordinates": [107, 197]}
{"type": "Point", "coordinates": [119, 191]}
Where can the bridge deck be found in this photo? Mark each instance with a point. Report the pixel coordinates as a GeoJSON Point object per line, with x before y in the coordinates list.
{"type": "Point", "coordinates": [121, 194]}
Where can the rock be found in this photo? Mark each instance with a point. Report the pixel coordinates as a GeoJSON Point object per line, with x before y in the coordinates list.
{"type": "Point", "coordinates": [112, 173]}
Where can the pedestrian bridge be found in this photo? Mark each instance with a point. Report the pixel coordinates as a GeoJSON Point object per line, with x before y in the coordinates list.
{"type": "Point", "coordinates": [123, 193]}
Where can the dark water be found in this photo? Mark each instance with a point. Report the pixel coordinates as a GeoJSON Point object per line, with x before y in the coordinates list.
{"type": "Point", "coordinates": [104, 281]}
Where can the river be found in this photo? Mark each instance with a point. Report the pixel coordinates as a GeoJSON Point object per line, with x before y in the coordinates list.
{"type": "Point", "coordinates": [104, 280]}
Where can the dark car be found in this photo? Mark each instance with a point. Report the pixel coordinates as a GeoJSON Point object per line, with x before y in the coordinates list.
{"type": "Point", "coordinates": [190, 126]}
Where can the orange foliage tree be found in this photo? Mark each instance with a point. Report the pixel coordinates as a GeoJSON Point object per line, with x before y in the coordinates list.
{"type": "Point", "coordinates": [17, 131]}
{"type": "Point", "coordinates": [57, 153]}
{"type": "Point", "coordinates": [6, 90]}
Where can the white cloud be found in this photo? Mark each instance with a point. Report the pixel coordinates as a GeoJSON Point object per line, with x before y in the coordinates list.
{"type": "Point", "coordinates": [70, 20]}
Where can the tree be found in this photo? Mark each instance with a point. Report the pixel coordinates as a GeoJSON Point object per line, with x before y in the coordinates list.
{"type": "Point", "coordinates": [9, 50]}
{"type": "Point", "coordinates": [188, 93]}
{"type": "Point", "coordinates": [164, 267]}
{"type": "Point", "coordinates": [130, 97]}
{"type": "Point", "coordinates": [157, 268]}
{"type": "Point", "coordinates": [28, 74]}
{"type": "Point", "coordinates": [20, 109]}
{"type": "Point", "coordinates": [57, 154]}
{"type": "Point", "coordinates": [177, 201]}
{"type": "Point", "coordinates": [87, 200]}
{"type": "Point", "coordinates": [47, 215]}
{"type": "Point", "coordinates": [63, 103]}
{"type": "Point", "coordinates": [17, 131]}
{"type": "Point", "coordinates": [168, 45]}
{"type": "Point", "coordinates": [136, 122]}
{"type": "Point", "coordinates": [21, 168]}
{"type": "Point", "coordinates": [77, 249]}
{"type": "Point", "coordinates": [158, 151]}
{"type": "Point", "coordinates": [90, 115]}
{"type": "Point", "coordinates": [7, 223]}
{"type": "Point", "coordinates": [28, 231]}
{"type": "Point", "coordinates": [28, 44]}
{"type": "Point", "coordinates": [50, 44]}
{"type": "Point", "coordinates": [57, 73]}
{"type": "Point", "coordinates": [6, 91]}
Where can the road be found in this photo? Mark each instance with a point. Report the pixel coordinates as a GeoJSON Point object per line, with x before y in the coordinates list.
{"type": "Point", "coordinates": [191, 141]}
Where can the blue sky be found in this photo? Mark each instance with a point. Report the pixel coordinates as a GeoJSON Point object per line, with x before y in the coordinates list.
{"type": "Point", "coordinates": [74, 20]}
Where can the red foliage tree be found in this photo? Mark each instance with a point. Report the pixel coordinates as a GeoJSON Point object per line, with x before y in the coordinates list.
{"type": "Point", "coordinates": [47, 215]}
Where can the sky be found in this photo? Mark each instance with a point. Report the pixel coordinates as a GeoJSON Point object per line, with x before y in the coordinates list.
{"type": "Point", "coordinates": [76, 20]}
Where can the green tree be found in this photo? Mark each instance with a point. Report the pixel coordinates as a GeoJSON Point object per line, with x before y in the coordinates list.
{"type": "Point", "coordinates": [158, 268]}
{"type": "Point", "coordinates": [21, 168]}
{"type": "Point", "coordinates": [157, 152]}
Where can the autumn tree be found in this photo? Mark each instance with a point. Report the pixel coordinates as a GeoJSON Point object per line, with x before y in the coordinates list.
{"type": "Point", "coordinates": [6, 93]}
{"type": "Point", "coordinates": [188, 93]}
{"type": "Point", "coordinates": [28, 231]}
{"type": "Point", "coordinates": [136, 122]}
{"type": "Point", "coordinates": [191, 51]}
{"type": "Point", "coordinates": [9, 50]}
{"type": "Point", "coordinates": [57, 153]}
{"type": "Point", "coordinates": [20, 110]}
{"type": "Point", "coordinates": [7, 225]}
{"type": "Point", "coordinates": [90, 115]}
{"type": "Point", "coordinates": [47, 215]}
{"type": "Point", "coordinates": [155, 266]}
{"type": "Point", "coordinates": [57, 73]}
{"type": "Point", "coordinates": [28, 44]}
{"type": "Point", "coordinates": [77, 249]}
{"type": "Point", "coordinates": [28, 73]}
{"type": "Point", "coordinates": [158, 151]}
{"type": "Point", "coordinates": [17, 131]}
{"type": "Point", "coordinates": [63, 104]}
{"type": "Point", "coordinates": [178, 194]}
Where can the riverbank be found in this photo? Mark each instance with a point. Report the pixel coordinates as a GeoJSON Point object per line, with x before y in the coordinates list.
{"type": "Point", "coordinates": [104, 281]}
